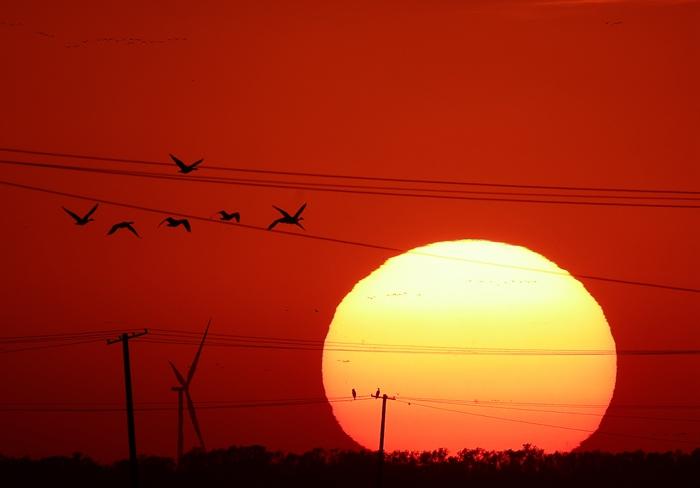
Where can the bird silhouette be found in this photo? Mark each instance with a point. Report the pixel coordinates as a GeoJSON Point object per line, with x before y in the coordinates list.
{"type": "Point", "coordinates": [129, 225]}
{"type": "Point", "coordinates": [288, 219]}
{"type": "Point", "coordinates": [376, 395]}
{"type": "Point", "coordinates": [225, 216]}
{"type": "Point", "coordinates": [184, 168]}
{"type": "Point", "coordinates": [173, 222]}
{"type": "Point", "coordinates": [354, 394]}
{"type": "Point", "coordinates": [82, 220]}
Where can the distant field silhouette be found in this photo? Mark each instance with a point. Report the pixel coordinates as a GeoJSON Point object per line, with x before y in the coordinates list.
{"type": "Point", "coordinates": [256, 466]}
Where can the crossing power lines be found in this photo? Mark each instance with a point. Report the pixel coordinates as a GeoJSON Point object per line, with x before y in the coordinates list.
{"type": "Point", "coordinates": [630, 198]}
{"type": "Point", "coordinates": [348, 242]}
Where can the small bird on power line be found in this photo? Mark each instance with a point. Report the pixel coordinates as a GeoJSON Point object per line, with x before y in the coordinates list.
{"type": "Point", "coordinates": [173, 222]}
{"type": "Point", "coordinates": [82, 220]}
{"type": "Point", "coordinates": [185, 168]}
{"type": "Point", "coordinates": [354, 394]}
{"type": "Point", "coordinates": [288, 219]}
{"type": "Point", "coordinates": [225, 216]}
{"type": "Point", "coordinates": [128, 225]}
{"type": "Point", "coordinates": [376, 395]}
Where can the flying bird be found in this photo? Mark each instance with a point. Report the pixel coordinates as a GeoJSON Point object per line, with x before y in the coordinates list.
{"type": "Point", "coordinates": [354, 394]}
{"type": "Point", "coordinates": [288, 219]}
{"type": "Point", "coordinates": [185, 168]}
{"type": "Point", "coordinates": [128, 225]}
{"type": "Point", "coordinates": [82, 220]}
{"type": "Point", "coordinates": [173, 222]}
{"type": "Point", "coordinates": [225, 216]}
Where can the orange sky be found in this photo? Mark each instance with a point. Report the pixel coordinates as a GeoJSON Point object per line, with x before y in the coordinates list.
{"type": "Point", "coordinates": [509, 92]}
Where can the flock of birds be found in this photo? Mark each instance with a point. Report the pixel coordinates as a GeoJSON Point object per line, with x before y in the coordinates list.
{"type": "Point", "coordinates": [225, 216]}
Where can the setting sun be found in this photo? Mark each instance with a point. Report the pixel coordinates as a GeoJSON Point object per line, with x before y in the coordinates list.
{"type": "Point", "coordinates": [483, 344]}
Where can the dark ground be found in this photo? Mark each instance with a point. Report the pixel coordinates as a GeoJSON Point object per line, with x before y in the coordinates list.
{"type": "Point", "coordinates": [254, 466]}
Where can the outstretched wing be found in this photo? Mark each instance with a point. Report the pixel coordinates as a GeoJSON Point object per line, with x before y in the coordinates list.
{"type": "Point", "coordinates": [282, 212]}
{"type": "Point", "coordinates": [177, 374]}
{"type": "Point", "coordinates": [92, 211]}
{"type": "Point", "coordinates": [301, 209]}
{"type": "Point", "coordinates": [190, 373]}
{"type": "Point", "coordinates": [196, 163]}
{"type": "Point", "coordinates": [273, 224]}
{"type": "Point", "coordinates": [167, 219]}
{"type": "Point", "coordinates": [186, 225]}
{"type": "Point", "coordinates": [113, 229]}
{"type": "Point", "coordinates": [179, 163]}
{"type": "Point", "coordinates": [72, 214]}
{"type": "Point", "coordinates": [133, 231]}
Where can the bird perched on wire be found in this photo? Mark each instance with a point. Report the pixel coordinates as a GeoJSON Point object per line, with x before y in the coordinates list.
{"type": "Point", "coordinates": [84, 219]}
{"type": "Point", "coordinates": [225, 216]}
{"type": "Point", "coordinates": [288, 219]}
{"type": "Point", "coordinates": [354, 394]}
{"type": "Point", "coordinates": [186, 168]}
{"type": "Point", "coordinates": [173, 222]}
{"type": "Point", "coordinates": [376, 395]}
{"type": "Point", "coordinates": [128, 225]}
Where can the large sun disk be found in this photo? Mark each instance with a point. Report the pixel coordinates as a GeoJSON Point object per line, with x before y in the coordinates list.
{"type": "Point", "coordinates": [475, 340]}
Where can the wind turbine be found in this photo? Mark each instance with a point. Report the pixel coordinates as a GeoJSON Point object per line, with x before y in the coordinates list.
{"type": "Point", "coordinates": [183, 390]}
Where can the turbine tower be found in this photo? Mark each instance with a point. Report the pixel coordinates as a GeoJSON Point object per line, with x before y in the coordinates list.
{"type": "Point", "coordinates": [183, 390]}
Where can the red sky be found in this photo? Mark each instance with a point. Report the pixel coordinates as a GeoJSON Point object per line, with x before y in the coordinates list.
{"type": "Point", "coordinates": [508, 92]}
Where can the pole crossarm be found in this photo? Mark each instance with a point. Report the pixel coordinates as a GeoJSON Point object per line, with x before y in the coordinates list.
{"type": "Point", "coordinates": [131, 335]}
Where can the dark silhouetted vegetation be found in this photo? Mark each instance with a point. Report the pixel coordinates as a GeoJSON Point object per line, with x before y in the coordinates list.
{"type": "Point", "coordinates": [254, 466]}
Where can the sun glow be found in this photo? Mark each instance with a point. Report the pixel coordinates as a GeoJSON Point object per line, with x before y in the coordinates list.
{"type": "Point", "coordinates": [470, 393]}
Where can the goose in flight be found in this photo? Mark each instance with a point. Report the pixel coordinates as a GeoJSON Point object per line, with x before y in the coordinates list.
{"type": "Point", "coordinates": [185, 168]}
{"type": "Point", "coordinates": [128, 225]}
{"type": "Point", "coordinates": [82, 220]}
{"type": "Point", "coordinates": [288, 219]}
{"type": "Point", "coordinates": [225, 216]}
{"type": "Point", "coordinates": [173, 222]}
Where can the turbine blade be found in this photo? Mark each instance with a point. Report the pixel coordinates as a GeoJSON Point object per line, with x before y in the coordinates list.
{"type": "Point", "coordinates": [190, 373]}
{"type": "Point", "coordinates": [193, 418]}
{"type": "Point", "coordinates": [177, 374]}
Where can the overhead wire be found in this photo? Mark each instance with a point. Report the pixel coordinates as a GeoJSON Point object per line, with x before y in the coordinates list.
{"type": "Point", "coordinates": [348, 241]}
{"type": "Point", "coordinates": [544, 424]}
{"type": "Point", "coordinates": [535, 198]}
{"type": "Point", "coordinates": [345, 176]}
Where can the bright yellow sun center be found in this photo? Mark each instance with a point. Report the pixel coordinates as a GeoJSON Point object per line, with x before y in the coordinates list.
{"type": "Point", "coordinates": [471, 337]}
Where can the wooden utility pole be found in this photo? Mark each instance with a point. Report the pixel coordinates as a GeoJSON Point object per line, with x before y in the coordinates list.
{"type": "Point", "coordinates": [380, 460]}
{"type": "Point", "coordinates": [133, 465]}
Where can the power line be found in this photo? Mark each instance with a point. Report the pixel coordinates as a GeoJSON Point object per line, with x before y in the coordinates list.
{"type": "Point", "coordinates": [348, 177]}
{"type": "Point", "coordinates": [162, 336]}
{"type": "Point", "coordinates": [350, 242]}
{"type": "Point", "coordinates": [543, 424]}
{"type": "Point", "coordinates": [50, 346]}
{"type": "Point", "coordinates": [398, 192]}
{"type": "Point", "coordinates": [693, 406]}
{"type": "Point", "coordinates": [306, 345]}
{"type": "Point", "coordinates": [263, 404]}
{"type": "Point", "coordinates": [560, 412]}
{"type": "Point", "coordinates": [322, 401]}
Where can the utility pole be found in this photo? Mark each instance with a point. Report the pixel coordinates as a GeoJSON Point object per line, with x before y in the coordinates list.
{"type": "Point", "coordinates": [380, 467]}
{"type": "Point", "coordinates": [124, 339]}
